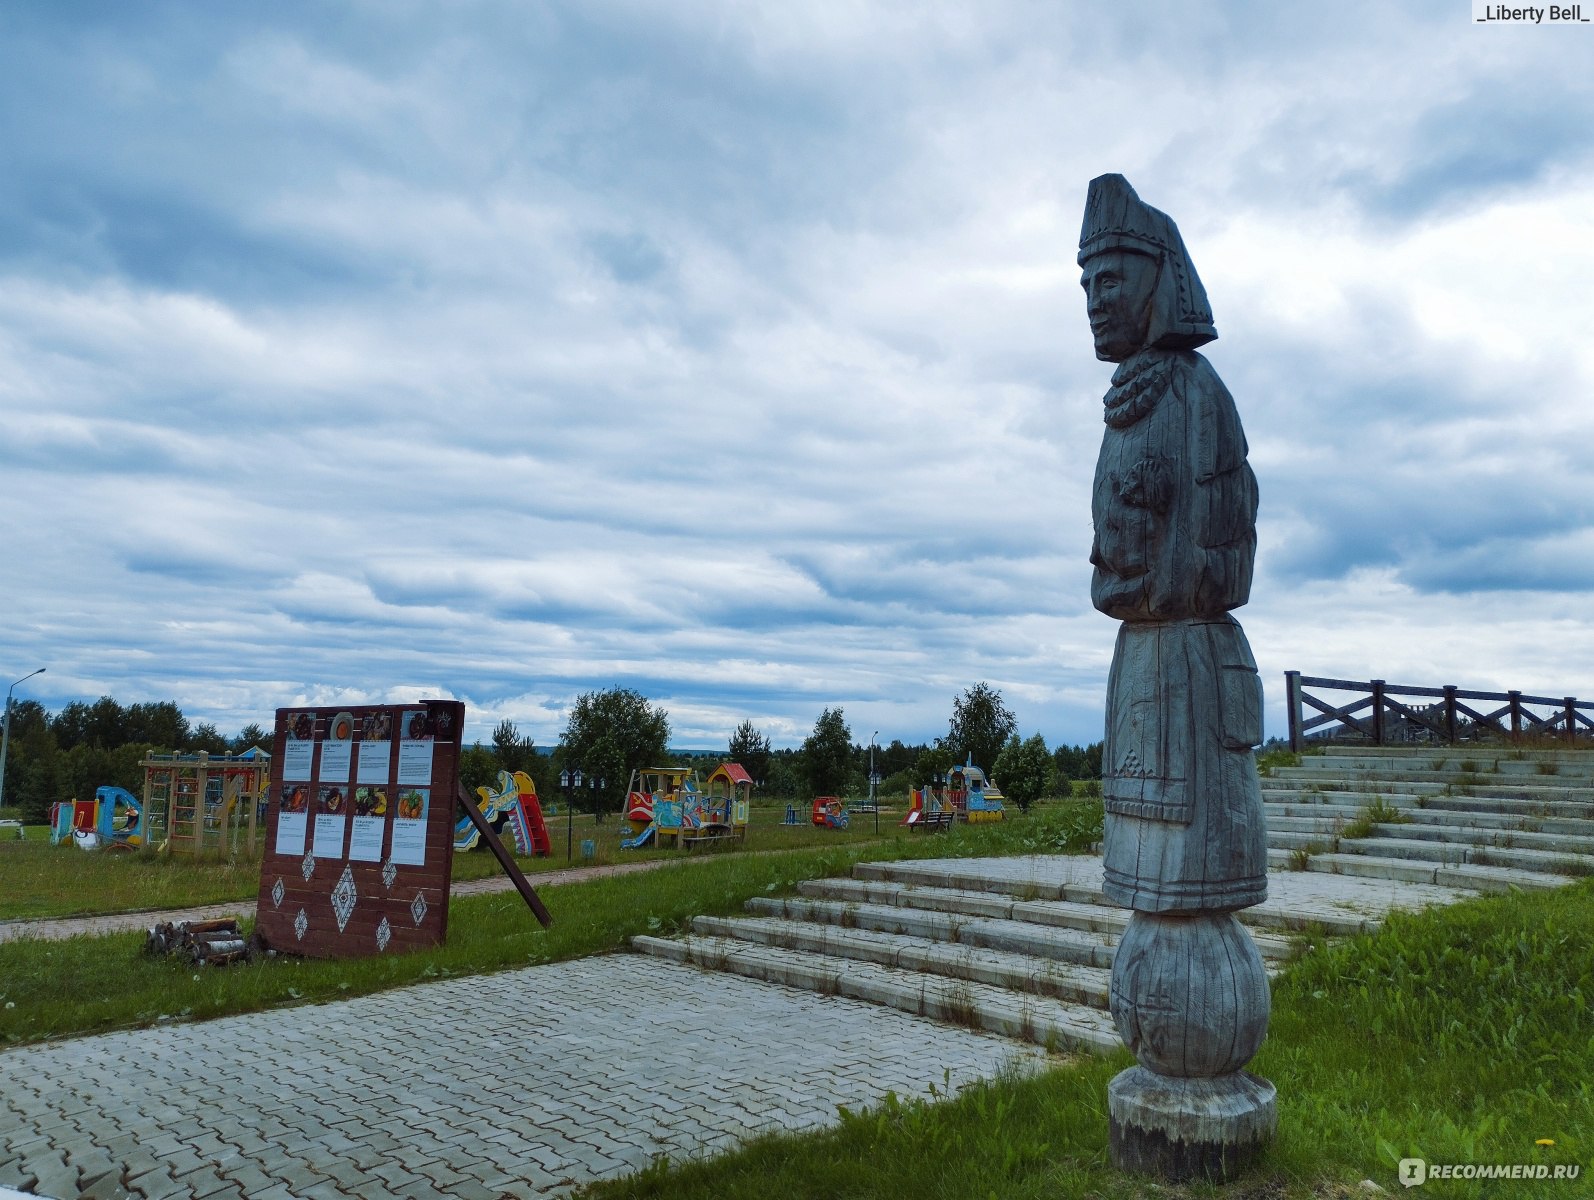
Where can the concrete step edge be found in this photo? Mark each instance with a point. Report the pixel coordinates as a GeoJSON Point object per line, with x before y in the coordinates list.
{"type": "Point", "coordinates": [954, 1001]}
{"type": "Point", "coordinates": [1073, 982]}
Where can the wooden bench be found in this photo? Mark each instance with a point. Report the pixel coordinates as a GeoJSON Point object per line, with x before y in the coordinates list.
{"type": "Point", "coordinates": [937, 821]}
{"type": "Point", "coordinates": [709, 835]}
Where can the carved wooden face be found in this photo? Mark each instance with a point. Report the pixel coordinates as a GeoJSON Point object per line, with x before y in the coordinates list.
{"type": "Point", "coordinates": [1118, 288]}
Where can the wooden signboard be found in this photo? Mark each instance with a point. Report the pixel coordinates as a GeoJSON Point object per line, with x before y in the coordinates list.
{"type": "Point", "coordinates": [360, 829]}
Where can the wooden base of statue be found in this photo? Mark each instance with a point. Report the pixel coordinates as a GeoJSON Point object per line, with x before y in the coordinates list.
{"type": "Point", "coordinates": [1188, 1128]}
{"type": "Point", "coordinates": [1190, 998]}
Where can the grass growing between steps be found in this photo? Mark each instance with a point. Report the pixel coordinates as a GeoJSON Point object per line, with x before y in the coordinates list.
{"type": "Point", "coordinates": [94, 984]}
{"type": "Point", "coordinates": [1455, 1035]}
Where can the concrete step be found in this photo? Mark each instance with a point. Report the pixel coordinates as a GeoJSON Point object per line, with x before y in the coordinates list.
{"type": "Point", "coordinates": [1048, 977]}
{"type": "Point", "coordinates": [1023, 1016]}
{"type": "Point", "coordinates": [1019, 937]}
{"type": "Point", "coordinates": [1298, 831]}
{"type": "Point", "coordinates": [1500, 822]}
{"type": "Point", "coordinates": [1069, 914]}
{"type": "Point", "coordinates": [1438, 761]}
{"type": "Point", "coordinates": [1511, 784]}
{"type": "Point", "coordinates": [1285, 912]}
{"type": "Point", "coordinates": [1547, 862]}
{"type": "Point", "coordinates": [1471, 876]}
{"type": "Point", "coordinates": [1581, 810]}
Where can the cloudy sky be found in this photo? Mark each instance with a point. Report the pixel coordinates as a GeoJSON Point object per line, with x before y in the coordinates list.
{"type": "Point", "coordinates": [735, 352]}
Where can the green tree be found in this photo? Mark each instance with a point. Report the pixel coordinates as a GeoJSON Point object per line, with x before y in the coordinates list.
{"type": "Point", "coordinates": [206, 737]}
{"type": "Point", "coordinates": [478, 767]}
{"type": "Point", "coordinates": [980, 726]}
{"type": "Point", "coordinates": [932, 761]}
{"type": "Point", "coordinates": [157, 723]}
{"type": "Point", "coordinates": [251, 735]}
{"type": "Point", "coordinates": [515, 753]}
{"type": "Point", "coordinates": [1078, 762]}
{"type": "Point", "coordinates": [610, 734]}
{"type": "Point", "coordinates": [1022, 770]}
{"type": "Point", "coordinates": [751, 749]}
{"type": "Point", "coordinates": [827, 754]}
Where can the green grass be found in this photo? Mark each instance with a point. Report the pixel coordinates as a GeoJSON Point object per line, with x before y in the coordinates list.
{"type": "Point", "coordinates": [1459, 1034]}
{"type": "Point", "coordinates": [92, 984]}
{"type": "Point", "coordinates": [42, 880]}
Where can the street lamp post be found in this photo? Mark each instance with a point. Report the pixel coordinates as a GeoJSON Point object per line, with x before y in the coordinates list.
{"type": "Point", "coordinates": [5, 738]}
{"type": "Point", "coordinates": [874, 803]}
{"type": "Point", "coordinates": [569, 788]}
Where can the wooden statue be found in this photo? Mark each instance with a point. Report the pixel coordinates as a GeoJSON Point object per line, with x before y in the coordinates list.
{"type": "Point", "coordinates": [1174, 508]}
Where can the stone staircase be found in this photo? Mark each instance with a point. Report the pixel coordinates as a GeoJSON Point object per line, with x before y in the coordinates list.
{"type": "Point", "coordinates": [1017, 946]}
{"type": "Point", "coordinates": [1023, 946]}
{"type": "Point", "coordinates": [1487, 818]}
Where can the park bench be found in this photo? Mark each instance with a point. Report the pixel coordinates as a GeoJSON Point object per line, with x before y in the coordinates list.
{"type": "Point", "coordinates": [8, 825]}
{"type": "Point", "coordinates": [935, 820]}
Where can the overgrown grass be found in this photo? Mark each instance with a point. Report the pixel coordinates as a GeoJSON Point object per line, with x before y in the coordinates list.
{"type": "Point", "coordinates": [1455, 1035]}
{"type": "Point", "coordinates": [91, 984]}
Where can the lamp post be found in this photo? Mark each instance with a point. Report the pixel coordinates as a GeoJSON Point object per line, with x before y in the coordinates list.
{"type": "Point", "coordinates": [873, 779]}
{"type": "Point", "coordinates": [569, 787]}
{"type": "Point", "coordinates": [5, 738]}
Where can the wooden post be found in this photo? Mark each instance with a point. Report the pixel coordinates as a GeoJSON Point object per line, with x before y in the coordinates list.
{"type": "Point", "coordinates": [1516, 713]}
{"type": "Point", "coordinates": [1292, 708]}
{"type": "Point", "coordinates": [254, 809]}
{"type": "Point", "coordinates": [1450, 713]}
{"type": "Point", "coordinates": [1571, 718]}
{"type": "Point", "coordinates": [201, 782]}
{"type": "Point", "coordinates": [1378, 712]}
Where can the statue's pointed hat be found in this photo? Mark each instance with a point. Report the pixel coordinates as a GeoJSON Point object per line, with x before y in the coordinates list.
{"type": "Point", "coordinates": [1117, 219]}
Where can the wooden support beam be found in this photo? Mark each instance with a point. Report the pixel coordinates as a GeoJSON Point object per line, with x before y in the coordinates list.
{"type": "Point", "coordinates": [505, 859]}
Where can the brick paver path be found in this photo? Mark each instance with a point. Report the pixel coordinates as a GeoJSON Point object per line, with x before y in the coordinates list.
{"type": "Point", "coordinates": [524, 1083]}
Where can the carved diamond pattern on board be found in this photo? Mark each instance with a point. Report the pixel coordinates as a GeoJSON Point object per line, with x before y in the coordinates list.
{"type": "Point", "coordinates": [308, 866]}
{"type": "Point", "coordinates": [277, 892]}
{"type": "Point", "coordinates": [389, 873]}
{"type": "Point", "coordinates": [343, 897]}
{"type": "Point", "coordinates": [384, 934]}
{"type": "Point", "coordinates": [418, 907]}
{"type": "Point", "coordinates": [300, 924]}
{"type": "Point", "coordinates": [1132, 767]}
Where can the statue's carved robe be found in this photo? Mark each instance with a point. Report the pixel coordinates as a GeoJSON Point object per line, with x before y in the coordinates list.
{"type": "Point", "coordinates": [1174, 507]}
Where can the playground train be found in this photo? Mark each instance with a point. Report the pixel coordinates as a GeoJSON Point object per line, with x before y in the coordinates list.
{"type": "Point", "coordinates": [969, 795]}
{"type": "Point", "coordinates": [665, 807]}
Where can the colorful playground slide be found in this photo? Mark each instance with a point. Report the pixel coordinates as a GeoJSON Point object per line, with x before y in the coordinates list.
{"type": "Point", "coordinates": [640, 840]}
{"type": "Point", "coordinates": [512, 805]}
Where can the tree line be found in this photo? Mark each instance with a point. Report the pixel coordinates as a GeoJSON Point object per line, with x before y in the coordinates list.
{"type": "Point", "coordinates": [608, 734]}
{"type": "Point", "coordinates": [69, 754]}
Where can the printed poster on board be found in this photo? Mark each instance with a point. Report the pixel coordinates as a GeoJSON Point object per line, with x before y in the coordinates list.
{"type": "Point", "coordinates": [337, 750]}
{"type": "Point", "coordinates": [376, 748]}
{"type": "Point", "coordinates": [415, 748]}
{"type": "Point", "coordinates": [292, 816]}
{"type": "Point", "coordinates": [409, 827]}
{"type": "Point", "coordinates": [370, 823]}
{"type": "Point", "coordinates": [331, 820]}
{"type": "Point", "coordinates": [298, 752]}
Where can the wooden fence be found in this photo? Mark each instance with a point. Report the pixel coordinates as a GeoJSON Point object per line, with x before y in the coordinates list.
{"type": "Point", "coordinates": [1374, 715]}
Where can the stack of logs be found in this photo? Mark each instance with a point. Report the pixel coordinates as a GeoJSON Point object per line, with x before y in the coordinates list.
{"type": "Point", "coordinates": [217, 942]}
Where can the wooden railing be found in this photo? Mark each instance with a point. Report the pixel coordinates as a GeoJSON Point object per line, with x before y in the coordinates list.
{"type": "Point", "coordinates": [1375, 716]}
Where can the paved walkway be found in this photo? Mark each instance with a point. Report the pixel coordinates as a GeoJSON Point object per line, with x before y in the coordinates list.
{"type": "Point", "coordinates": [521, 1084]}
{"type": "Point", "coordinates": [56, 928]}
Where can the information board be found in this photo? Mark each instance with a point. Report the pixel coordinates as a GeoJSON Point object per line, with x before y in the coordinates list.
{"type": "Point", "coordinates": [360, 829]}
